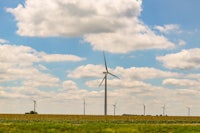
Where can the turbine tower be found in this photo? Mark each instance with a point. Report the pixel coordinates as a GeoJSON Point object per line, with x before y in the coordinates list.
{"type": "Point", "coordinates": [114, 107]}
{"type": "Point", "coordinates": [106, 73]}
{"type": "Point", "coordinates": [34, 106]}
{"type": "Point", "coordinates": [188, 110]}
{"type": "Point", "coordinates": [84, 106]}
{"type": "Point", "coordinates": [164, 107]}
{"type": "Point", "coordinates": [144, 107]}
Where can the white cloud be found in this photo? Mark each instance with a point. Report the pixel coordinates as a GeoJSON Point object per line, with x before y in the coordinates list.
{"type": "Point", "coordinates": [45, 80]}
{"type": "Point", "coordinates": [21, 68]}
{"type": "Point", "coordinates": [87, 71]}
{"type": "Point", "coordinates": [2, 41]}
{"type": "Point", "coordinates": [118, 83]}
{"type": "Point", "coordinates": [29, 92]}
{"type": "Point", "coordinates": [26, 55]}
{"type": "Point", "coordinates": [69, 85]}
{"type": "Point", "coordinates": [181, 82]}
{"type": "Point", "coordinates": [111, 26]}
{"type": "Point", "coordinates": [143, 73]}
{"type": "Point", "coordinates": [59, 58]}
{"type": "Point", "coordinates": [184, 60]}
{"type": "Point", "coordinates": [181, 43]}
{"type": "Point", "coordinates": [72, 18]}
{"type": "Point", "coordinates": [42, 68]}
{"type": "Point", "coordinates": [127, 40]}
{"type": "Point", "coordinates": [168, 28]}
{"type": "Point", "coordinates": [95, 71]}
{"type": "Point", "coordinates": [193, 76]}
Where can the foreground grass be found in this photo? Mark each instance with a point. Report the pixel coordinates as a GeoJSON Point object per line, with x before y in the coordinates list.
{"type": "Point", "coordinates": [97, 124]}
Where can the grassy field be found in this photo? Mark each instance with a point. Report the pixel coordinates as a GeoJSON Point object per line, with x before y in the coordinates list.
{"type": "Point", "coordinates": [11, 123]}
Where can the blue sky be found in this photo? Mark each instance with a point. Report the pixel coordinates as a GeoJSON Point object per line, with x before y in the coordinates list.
{"type": "Point", "coordinates": [53, 54]}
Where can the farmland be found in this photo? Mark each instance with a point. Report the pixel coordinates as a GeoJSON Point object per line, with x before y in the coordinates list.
{"type": "Point", "coordinates": [16, 123]}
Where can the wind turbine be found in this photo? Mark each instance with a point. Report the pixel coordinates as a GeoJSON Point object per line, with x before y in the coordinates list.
{"type": "Point", "coordinates": [106, 73]}
{"type": "Point", "coordinates": [84, 106]}
{"type": "Point", "coordinates": [114, 107]}
{"type": "Point", "coordinates": [163, 107]}
{"type": "Point", "coordinates": [34, 105]}
{"type": "Point", "coordinates": [188, 110]}
{"type": "Point", "coordinates": [144, 107]}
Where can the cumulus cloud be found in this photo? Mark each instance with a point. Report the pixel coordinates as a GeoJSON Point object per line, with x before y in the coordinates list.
{"type": "Point", "coordinates": [129, 77]}
{"type": "Point", "coordinates": [59, 57]}
{"type": "Point", "coordinates": [21, 68]}
{"type": "Point", "coordinates": [111, 26]}
{"type": "Point", "coordinates": [168, 28]}
{"type": "Point", "coordinates": [87, 71]}
{"type": "Point", "coordinates": [72, 18]}
{"type": "Point", "coordinates": [95, 71]}
{"type": "Point", "coordinates": [181, 42]}
{"type": "Point", "coordinates": [127, 40]}
{"type": "Point", "coordinates": [181, 82]}
{"type": "Point", "coordinates": [2, 41]}
{"type": "Point", "coordinates": [42, 68]}
{"type": "Point", "coordinates": [45, 80]}
{"type": "Point", "coordinates": [69, 85]}
{"type": "Point", "coordinates": [26, 55]}
{"type": "Point", "coordinates": [143, 73]}
{"type": "Point", "coordinates": [184, 60]}
{"type": "Point", "coordinates": [118, 83]}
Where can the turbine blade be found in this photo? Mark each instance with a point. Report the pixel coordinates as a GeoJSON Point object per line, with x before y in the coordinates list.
{"type": "Point", "coordinates": [102, 81]}
{"type": "Point", "coordinates": [113, 75]}
{"type": "Point", "coordinates": [105, 62]}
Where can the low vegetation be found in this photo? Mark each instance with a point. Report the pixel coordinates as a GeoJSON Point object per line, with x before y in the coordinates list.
{"type": "Point", "coordinates": [34, 123]}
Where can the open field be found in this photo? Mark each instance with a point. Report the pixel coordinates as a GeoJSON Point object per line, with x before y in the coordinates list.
{"type": "Point", "coordinates": [96, 124]}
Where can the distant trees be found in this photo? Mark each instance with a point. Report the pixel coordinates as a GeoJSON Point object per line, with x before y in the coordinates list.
{"type": "Point", "coordinates": [31, 112]}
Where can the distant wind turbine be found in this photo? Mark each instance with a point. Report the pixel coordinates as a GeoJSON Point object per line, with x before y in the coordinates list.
{"type": "Point", "coordinates": [84, 106]}
{"type": "Point", "coordinates": [188, 110]}
{"type": "Point", "coordinates": [105, 78]}
{"type": "Point", "coordinates": [114, 107]}
{"type": "Point", "coordinates": [144, 107]}
{"type": "Point", "coordinates": [164, 107]}
{"type": "Point", "coordinates": [34, 105]}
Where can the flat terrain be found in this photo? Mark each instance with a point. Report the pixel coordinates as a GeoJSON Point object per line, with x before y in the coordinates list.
{"type": "Point", "coordinates": [15, 123]}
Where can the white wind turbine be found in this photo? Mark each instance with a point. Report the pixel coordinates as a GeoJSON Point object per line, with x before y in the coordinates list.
{"type": "Point", "coordinates": [84, 106]}
{"type": "Point", "coordinates": [163, 107]}
{"type": "Point", "coordinates": [34, 105]}
{"type": "Point", "coordinates": [188, 108]}
{"type": "Point", "coordinates": [114, 107]}
{"type": "Point", "coordinates": [144, 107]}
{"type": "Point", "coordinates": [106, 73]}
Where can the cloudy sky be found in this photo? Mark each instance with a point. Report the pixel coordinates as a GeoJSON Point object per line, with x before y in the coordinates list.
{"type": "Point", "coordinates": [51, 51]}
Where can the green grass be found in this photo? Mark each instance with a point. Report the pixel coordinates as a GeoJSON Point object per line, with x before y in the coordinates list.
{"type": "Point", "coordinates": [97, 124]}
{"type": "Point", "coordinates": [55, 127]}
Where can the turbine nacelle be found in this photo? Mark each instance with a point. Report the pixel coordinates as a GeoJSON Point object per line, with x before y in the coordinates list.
{"type": "Point", "coordinates": [105, 72]}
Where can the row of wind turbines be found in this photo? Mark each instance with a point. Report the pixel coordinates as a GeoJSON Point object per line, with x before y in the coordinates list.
{"type": "Point", "coordinates": [106, 73]}
{"type": "Point", "coordinates": [114, 108]}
